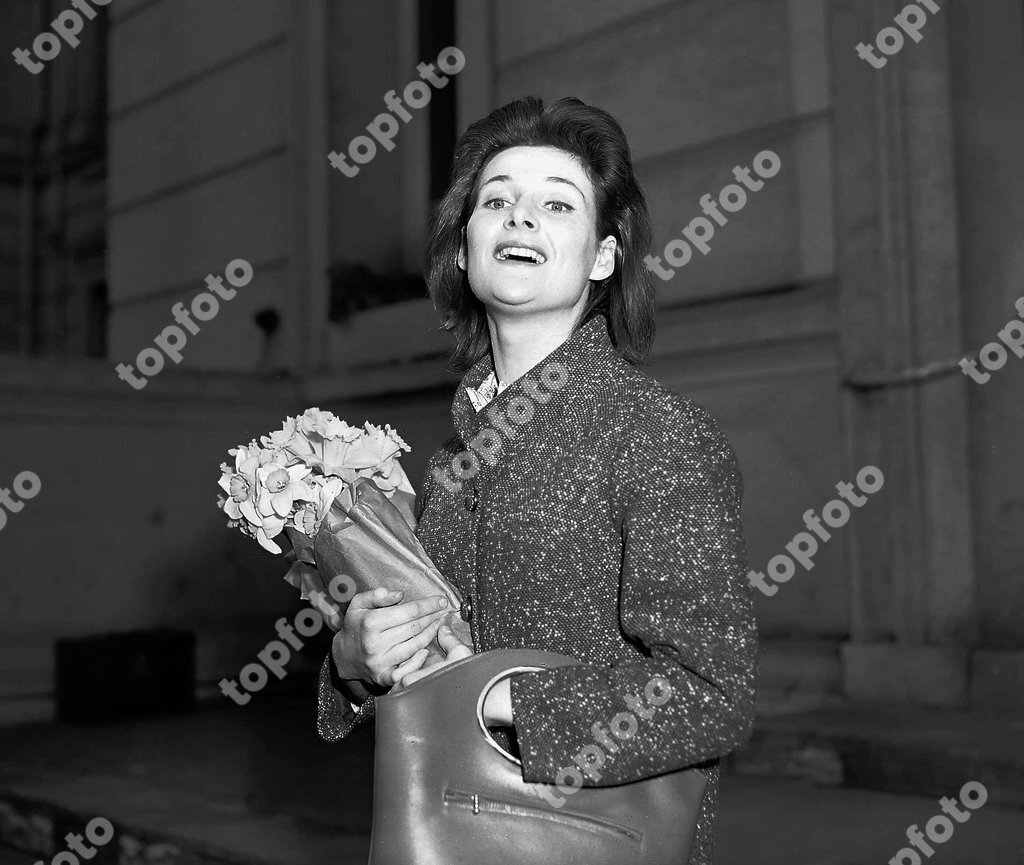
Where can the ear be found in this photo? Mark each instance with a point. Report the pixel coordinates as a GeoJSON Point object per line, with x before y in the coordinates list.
{"type": "Point", "coordinates": [462, 251]}
{"type": "Point", "coordinates": [605, 264]}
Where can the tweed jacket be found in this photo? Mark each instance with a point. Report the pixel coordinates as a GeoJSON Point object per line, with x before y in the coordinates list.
{"type": "Point", "coordinates": [597, 514]}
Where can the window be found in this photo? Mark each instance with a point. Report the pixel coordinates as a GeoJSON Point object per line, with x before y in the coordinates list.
{"type": "Point", "coordinates": [53, 153]}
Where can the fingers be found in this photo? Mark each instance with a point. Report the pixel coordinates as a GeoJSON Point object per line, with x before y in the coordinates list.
{"type": "Point", "coordinates": [389, 613]}
{"type": "Point", "coordinates": [377, 638]}
{"type": "Point", "coordinates": [456, 654]}
{"type": "Point", "coordinates": [402, 614]}
{"type": "Point", "coordinates": [416, 675]}
{"type": "Point", "coordinates": [379, 597]}
{"type": "Point", "coordinates": [397, 654]}
{"type": "Point", "coordinates": [382, 633]}
{"type": "Point", "coordinates": [400, 633]}
{"type": "Point", "coordinates": [460, 652]}
{"type": "Point", "coordinates": [402, 654]}
{"type": "Point", "coordinates": [409, 666]}
{"type": "Point", "coordinates": [449, 641]}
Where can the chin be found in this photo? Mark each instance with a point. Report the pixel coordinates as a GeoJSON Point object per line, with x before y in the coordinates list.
{"type": "Point", "coordinates": [511, 304]}
{"type": "Point", "coordinates": [516, 291]}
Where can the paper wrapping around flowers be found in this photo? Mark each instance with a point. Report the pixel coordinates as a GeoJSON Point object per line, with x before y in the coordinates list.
{"type": "Point", "coordinates": [369, 538]}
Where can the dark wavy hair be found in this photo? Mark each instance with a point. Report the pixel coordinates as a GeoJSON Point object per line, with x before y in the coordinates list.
{"type": "Point", "coordinates": [592, 135]}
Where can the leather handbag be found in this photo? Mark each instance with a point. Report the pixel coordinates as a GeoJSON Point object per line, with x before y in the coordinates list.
{"type": "Point", "coordinates": [446, 793]}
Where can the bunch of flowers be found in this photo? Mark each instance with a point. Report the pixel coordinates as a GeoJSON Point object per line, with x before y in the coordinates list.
{"type": "Point", "coordinates": [291, 477]}
{"type": "Point", "coordinates": [339, 498]}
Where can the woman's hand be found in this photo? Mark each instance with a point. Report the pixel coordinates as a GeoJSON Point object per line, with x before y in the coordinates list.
{"type": "Point", "coordinates": [454, 647]}
{"type": "Point", "coordinates": [497, 704]}
{"type": "Point", "coordinates": [383, 640]}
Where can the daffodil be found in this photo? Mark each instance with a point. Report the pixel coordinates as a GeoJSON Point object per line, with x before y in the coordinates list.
{"type": "Point", "coordinates": [376, 456]}
{"type": "Point", "coordinates": [266, 531]}
{"type": "Point", "coordinates": [281, 487]}
{"type": "Point", "coordinates": [326, 425]}
{"type": "Point", "coordinates": [241, 483]}
{"type": "Point", "coordinates": [310, 515]}
{"type": "Point", "coordinates": [292, 476]}
{"type": "Point", "coordinates": [282, 438]}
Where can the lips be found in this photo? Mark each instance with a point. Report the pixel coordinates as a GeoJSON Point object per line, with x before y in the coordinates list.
{"type": "Point", "coordinates": [519, 253]}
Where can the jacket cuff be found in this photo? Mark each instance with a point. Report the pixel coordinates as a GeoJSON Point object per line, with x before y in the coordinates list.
{"type": "Point", "coordinates": [342, 705]}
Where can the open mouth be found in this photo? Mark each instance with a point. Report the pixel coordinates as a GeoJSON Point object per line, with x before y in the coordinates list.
{"type": "Point", "coordinates": [519, 254]}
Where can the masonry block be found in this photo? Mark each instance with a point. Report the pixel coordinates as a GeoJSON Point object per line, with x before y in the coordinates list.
{"type": "Point", "coordinates": [997, 681]}
{"type": "Point", "coordinates": [918, 675]}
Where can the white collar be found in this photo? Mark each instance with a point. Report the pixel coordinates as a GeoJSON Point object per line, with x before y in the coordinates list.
{"type": "Point", "coordinates": [489, 388]}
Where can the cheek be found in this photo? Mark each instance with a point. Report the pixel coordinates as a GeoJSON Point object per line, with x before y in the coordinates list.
{"type": "Point", "coordinates": [476, 236]}
{"type": "Point", "coordinates": [578, 244]}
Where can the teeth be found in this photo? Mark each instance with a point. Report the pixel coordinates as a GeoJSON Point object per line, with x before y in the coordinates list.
{"type": "Point", "coordinates": [523, 252]}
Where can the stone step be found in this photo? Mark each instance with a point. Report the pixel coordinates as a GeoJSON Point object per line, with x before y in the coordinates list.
{"type": "Point", "coordinates": [898, 749]}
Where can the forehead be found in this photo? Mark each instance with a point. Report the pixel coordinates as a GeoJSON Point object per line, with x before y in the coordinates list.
{"type": "Point", "coordinates": [535, 164]}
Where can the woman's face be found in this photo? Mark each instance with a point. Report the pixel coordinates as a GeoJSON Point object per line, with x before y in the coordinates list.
{"type": "Point", "coordinates": [530, 245]}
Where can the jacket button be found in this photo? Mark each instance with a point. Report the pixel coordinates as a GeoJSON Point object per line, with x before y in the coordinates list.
{"type": "Point", "coordinates": [466, 610]}
{"type": "Point", "coordinates": [471, 500]}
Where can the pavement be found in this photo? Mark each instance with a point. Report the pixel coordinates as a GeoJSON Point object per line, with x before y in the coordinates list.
{"type": "Point", "coordinates": [255, 784]}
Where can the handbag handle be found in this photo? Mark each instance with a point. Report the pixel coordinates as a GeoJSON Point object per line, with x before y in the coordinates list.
{"type": "Point", "coordinates": [488, 738]}
{"type": "Point", "coordinates": [469, 681]}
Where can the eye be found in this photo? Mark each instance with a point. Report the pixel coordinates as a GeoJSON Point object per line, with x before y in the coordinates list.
{"type": "Point", "coordinates": [560, 207]}
{"type": "Point", "coordinates": [489, 204]}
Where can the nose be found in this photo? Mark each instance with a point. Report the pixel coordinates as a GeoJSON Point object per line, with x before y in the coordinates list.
{"type": "Point", "coordinates": [520, 215]}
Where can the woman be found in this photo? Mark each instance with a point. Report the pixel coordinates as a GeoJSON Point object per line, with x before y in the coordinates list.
{"type": "Point", "coordinates": [581, 507]}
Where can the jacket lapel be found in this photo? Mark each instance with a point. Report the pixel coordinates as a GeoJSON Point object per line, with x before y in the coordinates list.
{"type": "Point", "coordinates": [556, 426]}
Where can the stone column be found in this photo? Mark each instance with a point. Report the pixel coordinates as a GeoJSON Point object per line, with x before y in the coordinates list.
{"type": "Point", "coordinates": [912, 600]}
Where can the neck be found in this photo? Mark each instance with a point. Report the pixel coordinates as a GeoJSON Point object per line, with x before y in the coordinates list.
{"type": "Point", "coordinates": [519, 344]}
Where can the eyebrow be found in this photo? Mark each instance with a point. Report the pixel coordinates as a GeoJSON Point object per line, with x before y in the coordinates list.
{"type": "Point", "coordinates": [504, 178]}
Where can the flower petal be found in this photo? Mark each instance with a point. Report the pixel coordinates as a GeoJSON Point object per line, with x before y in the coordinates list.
{"type": "Point", "coordinates": [298, 472]}
{"type": "Point", "coordinates": [266, 543]}
{"type": "Point", "coordinates": [273, 526]}
{"type": "Point", "coordinates": [282, 502]}
{"type": "Point", "coordinates": [248, 510]}
{"type": "Point", "coordinates": [302, 491]}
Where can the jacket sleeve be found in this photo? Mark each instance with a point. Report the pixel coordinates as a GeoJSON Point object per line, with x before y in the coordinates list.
{"type": "Point", "coordinates": [684, 601]}
{"type": "Point", "coordinates": [340, 709]}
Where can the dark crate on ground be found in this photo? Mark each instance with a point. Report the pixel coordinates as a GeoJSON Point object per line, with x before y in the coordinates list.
{"type": "Point", "coordinates": [107, 677]}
